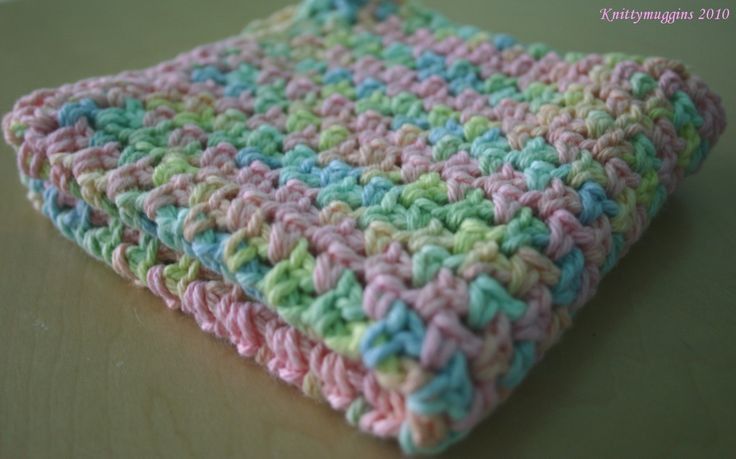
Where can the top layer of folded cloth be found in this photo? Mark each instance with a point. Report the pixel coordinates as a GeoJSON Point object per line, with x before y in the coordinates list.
{"type": "Point", "coordinates": [393, 212]}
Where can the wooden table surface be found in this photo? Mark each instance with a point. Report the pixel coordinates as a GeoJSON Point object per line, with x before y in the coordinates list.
{"type": "Point", "coordinates": [92, 367]}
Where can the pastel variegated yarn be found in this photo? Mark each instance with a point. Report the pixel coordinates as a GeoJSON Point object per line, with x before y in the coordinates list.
{"type": "Point", "coordinates": [397, 214]}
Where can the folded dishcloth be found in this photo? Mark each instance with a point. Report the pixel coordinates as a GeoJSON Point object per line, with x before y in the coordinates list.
{"type": "Point", "coordinates": [394, 213]}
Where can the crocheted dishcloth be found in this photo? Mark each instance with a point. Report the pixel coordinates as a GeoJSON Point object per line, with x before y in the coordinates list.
{"type": "Point", "coordinates": [392, 212]}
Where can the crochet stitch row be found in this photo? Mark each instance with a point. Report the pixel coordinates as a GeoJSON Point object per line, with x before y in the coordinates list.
{"type": "Point", "coordinates": [391, 211]}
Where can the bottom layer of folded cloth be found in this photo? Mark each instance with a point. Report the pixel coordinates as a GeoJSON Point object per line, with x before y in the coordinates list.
{"type": "Point", "coordinates": [222, 309]}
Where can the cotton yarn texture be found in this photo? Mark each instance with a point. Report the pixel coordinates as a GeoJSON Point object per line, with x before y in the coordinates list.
{"type": "Point", "coordinates": [397, 214]}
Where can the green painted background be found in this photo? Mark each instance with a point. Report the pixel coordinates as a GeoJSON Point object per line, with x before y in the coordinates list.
{"type": "Point", "coordinates": [91, 367]}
